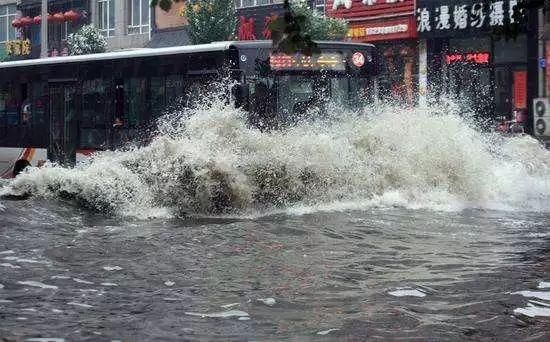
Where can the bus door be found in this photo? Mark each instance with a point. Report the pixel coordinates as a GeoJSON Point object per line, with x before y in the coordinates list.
{"type": "Point", "coordinates": [63, 123]}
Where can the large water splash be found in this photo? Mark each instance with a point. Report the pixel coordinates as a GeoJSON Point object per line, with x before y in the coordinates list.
{"type": "Point", "coordinates": [209, 161]}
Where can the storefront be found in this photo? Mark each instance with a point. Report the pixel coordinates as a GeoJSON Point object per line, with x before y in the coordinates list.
{"type": "Point", "coordinates": [64, 18]}
{"type": "Point", "coordinates": [469, 62]}
{"type": "Point", "coordinates": [391, 26]}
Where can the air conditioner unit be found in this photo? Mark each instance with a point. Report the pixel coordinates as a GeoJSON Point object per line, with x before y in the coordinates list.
{"type": "Point", "coordinates": [541, 107]}
{"type": "Point", "coordinates": [541, 117]}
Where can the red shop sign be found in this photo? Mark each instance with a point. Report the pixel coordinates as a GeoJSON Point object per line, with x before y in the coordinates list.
{"type": "Point", "coordinates": [470, 57]}
{"type": "Point", "coordinates": [369, 9]}
{"type": "Point", "coordinates": [374, 30]}
{"type": "Point", "coordinates": [520, 89]}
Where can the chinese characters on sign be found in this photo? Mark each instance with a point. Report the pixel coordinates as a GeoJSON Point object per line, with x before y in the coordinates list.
{"type": "Point", "coordinates": [472, 57]}
{"type": "Point", "coordinates": [447, 15]}
{"type": "Point", "coordinates": [18, 47]}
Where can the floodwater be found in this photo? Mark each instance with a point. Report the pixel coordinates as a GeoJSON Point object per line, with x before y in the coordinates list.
{"type": "Point", "coordinates": [411, 228]}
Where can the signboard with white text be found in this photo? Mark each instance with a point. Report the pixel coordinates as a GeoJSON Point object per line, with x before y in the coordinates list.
{"type": "Point", "coordinates": [442, 18]}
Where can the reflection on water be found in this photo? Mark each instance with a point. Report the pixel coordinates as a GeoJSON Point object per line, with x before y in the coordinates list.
{"type": "Point", "coordinates": [379, 273]}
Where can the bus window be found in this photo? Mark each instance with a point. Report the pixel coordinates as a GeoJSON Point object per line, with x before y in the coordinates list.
{"type": "Point", "coordinates": [93, 133]}
{"type": "Point", "coordinates": [135, 96]}
{"type": "Point", "coordinates": [174, 89]}
{"type": "Point", "coordinates": [38, 119]}
{"type": "Point", "coordinates": [158, 96]}
{"type": "Point", "coordinates": [262, 114]}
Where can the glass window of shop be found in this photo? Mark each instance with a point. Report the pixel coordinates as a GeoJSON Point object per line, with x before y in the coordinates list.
{"type": "Point", "coordinates": [106, 17]}
{"type": "Point", "coordinates": [138, 16]}
{"type": "Point", "coordinates": [7, 14]}
{"type": "Point", "coordinates": [398, 73]}
{"type": "Point", "coordinates": [469, 83]}
{"type": "Point", "coordinates": [510, 60]}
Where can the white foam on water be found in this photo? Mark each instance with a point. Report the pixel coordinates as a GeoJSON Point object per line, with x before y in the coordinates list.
{"type": "Point", "coordinates": [9, 251]}
{"type": "Point", "coordinates": [28, 261]}
{"type": "Point", "coordinates": [7, 264]}
{"type": "Point", "coordinates": [326, 332]}
{"type": "Point", "coordinates": [82, 281]}
{"type": "Point", "coordinates": [534, 294]}
{"type": "Point", "coordinates": [60, 277]}
{"type": "Point", "coordinates": [208, 161]}
{"type": "Point", "coordinates": [57, 311]}
{"type": "Point", "coordinates": [224, 314]}
{"type": "Point", "coordinates": [228, 306]}
{"type": "Point", "coordinates": [108, 284]}
{"type": "Point", "coordinates": [112, 268]}
{"type": "Point", "coordinates": [407, 292]}
{"type": "Point", "coordinates": [37, 284]}
{"type": "Point", "coordinates": [30, 310]}
{"type": "Point", "coordinates": [169, 283]}
{"type": "Point", "coordinates": [267, 301]}
{"type": "Point", "coordinates": [544, 285]}
{"type": "Point", "coordinates": [5, 301]}
{"type": "Point", "coordinates": [82, 305]}
{"type": "Point", "coordinates": [1, 286]}
{"type": "Point", "coordinates": [45, 339]}
{"type": "Point", "coordinates": [533, 311]}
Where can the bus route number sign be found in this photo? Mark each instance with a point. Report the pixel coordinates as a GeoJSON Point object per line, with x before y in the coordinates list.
{"type": "Point", "coordinates": [325, 61]}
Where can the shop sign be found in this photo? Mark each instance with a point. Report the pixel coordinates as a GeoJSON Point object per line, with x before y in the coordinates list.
{"type": "Point", "coordinates": [18, 47]}
{"type": "Point", "coordinates": [450, 17]}
{"type": "Point", "coordinates": [471, 57]}
{"type": "Point", "coordinates": [520, 89]}
{"type": "Point", "coordinates": [374, 30]}
{"type": "Point", "coordinates": [369, 9]}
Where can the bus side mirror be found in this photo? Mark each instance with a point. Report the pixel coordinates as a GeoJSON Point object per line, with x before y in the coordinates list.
{"type": "Point", "coordinates": [240, 93]}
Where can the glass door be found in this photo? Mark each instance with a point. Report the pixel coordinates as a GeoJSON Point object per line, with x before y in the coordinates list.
{"type": "Point", "coordinates": [63, 123]}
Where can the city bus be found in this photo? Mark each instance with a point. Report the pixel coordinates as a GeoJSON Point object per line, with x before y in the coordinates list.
{"type": "Point", "coordinates": [62, 109]}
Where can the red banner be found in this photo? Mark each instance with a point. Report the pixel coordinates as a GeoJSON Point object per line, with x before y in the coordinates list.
{"type": "Point", "coordinates": [520, 89]}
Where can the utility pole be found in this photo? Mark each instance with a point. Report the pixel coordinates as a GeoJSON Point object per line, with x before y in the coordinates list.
{"type": "Point", "coordinates": [44, 30]}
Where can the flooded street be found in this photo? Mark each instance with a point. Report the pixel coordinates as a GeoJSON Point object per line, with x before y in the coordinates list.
{"type": "Point", "coordinates": [350, 230]}
{"type": "Point", "coordinates": [381, 273]}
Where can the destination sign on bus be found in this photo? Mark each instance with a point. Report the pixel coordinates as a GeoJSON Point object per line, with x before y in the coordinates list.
{"type": "Point", "coordinates": [325, 61]}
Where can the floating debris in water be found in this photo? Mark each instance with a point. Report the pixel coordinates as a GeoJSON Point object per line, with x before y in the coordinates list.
{"type": "Point", "coordinates": [407, 292]}
{"type": "Point", "coordinates": [112, 268]}
{"type": "Point", "coordinates": [37, 284]}
{"type": "Point", "coordinates": [224, 314]}
{"type": "Point", "coordinates": [267, 301]}
{"type": "Point", "coordinates": [326, 332]}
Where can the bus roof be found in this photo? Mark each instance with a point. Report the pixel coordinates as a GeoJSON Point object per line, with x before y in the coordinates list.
{"type": "Point", "coordinates": [149, 52]}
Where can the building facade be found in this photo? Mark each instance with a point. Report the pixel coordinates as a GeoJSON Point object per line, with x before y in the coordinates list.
{"type": "Point", "coordinates": [255, 15]}
{"type": "Point", "coordinates": [8, 33]}
{"type": "Point", "coordinates": [125, 24]}
{"type": "Point", "coordinates": [469, 60]}
{"type": "Point", "coordinates": [391, 25]}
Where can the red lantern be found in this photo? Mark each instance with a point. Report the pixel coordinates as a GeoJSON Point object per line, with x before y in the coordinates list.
{"type": "Point", "coordinates": [16, 23]}
{"type": "Point", "coordinates": [71, 15]}
{"type": "Point", "coordinates": [59, 17]}
{"type": "Point", "coordinates": [37, 20]}
{"type": "Point", "coordinates": [26, 21]}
